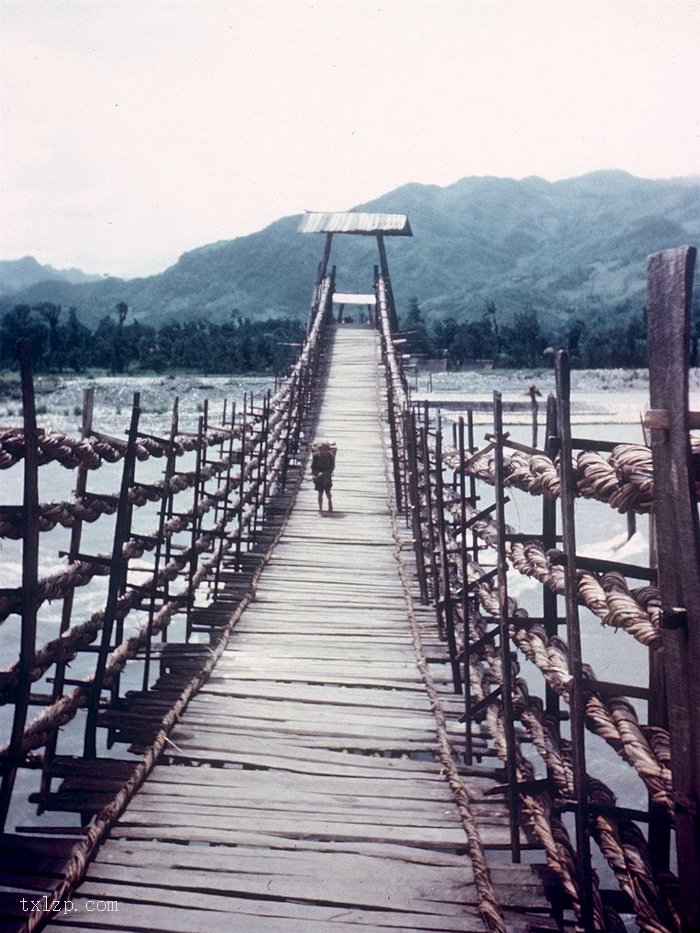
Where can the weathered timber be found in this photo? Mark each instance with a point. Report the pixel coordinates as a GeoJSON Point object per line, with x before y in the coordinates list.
{"type": "Point", "coordinates": [306, 761]}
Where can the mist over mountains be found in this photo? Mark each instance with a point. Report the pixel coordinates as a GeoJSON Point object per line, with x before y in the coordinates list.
{"type": "Point", "coordinates": [574, 248]}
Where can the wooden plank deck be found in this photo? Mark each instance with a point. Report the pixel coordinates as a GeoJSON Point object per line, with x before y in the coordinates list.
{"type": "Point", "coordinates": [300, 792]}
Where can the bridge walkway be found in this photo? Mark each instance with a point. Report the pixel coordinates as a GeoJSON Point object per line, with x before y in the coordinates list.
{"type": "Point", "coordinates": [300, 790]}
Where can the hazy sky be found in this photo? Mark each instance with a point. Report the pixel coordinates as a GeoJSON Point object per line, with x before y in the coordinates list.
{"type": "Point", "coordinates": [134, 131]}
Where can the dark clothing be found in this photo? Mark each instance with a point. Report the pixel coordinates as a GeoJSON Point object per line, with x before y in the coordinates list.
{"type": "Point", "coordinates": [322, 466]}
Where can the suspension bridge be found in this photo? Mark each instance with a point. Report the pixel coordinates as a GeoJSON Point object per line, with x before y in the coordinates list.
{"type": "Point", "coordinates": [304, 722]}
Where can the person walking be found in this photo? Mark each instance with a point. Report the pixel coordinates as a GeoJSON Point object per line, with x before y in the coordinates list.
{"type": "Point", "coordinates": [322, 466]}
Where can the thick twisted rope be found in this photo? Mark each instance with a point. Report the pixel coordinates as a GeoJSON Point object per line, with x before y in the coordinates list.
{"type": "Point", "coordinates": [624, 480]}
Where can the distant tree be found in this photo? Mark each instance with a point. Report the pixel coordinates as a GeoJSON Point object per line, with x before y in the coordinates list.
{"type": "Point", "coordinates": [523, 341]}
{"type": "Point", "coordinates": [117, 359]}
{"type": "Point", "coordinates": [76, 342]}
{"type": "Point", "coordinates": [576, 331]}
{"type": "Point", "coordinates": [418, 341]}
{"type": "Point", "coordinates": [491, 315]}
{"type": "Point", "coordinates": [53, 356]}
{"type": "Point", "coordinates": [20, 323]}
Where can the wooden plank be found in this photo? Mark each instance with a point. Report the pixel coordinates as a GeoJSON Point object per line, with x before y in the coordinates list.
{"type": "Point", "coordinates": [350, 884]}
{"type": "Point", "coordinates": [246, 916]}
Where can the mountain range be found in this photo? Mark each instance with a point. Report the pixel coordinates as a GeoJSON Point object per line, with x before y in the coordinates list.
{"type": "Point", "coordinates": [573, 247]}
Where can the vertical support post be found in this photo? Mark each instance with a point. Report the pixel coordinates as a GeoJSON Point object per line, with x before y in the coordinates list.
{"type": "Point", "coordinates": [30, 573]}
{"type": "Point", "coordinates": [67, 608]}
{"type": "Point", "coordinates": [447, 601]}
{"type": "Point", "coordinates": [473, 498]}
{"type": "Point", "coordinates": [266, 479]}
{"type": "Point", "coordinates": [241, 485]}
{"type": "Point", "coordinates": [466, 600]}
{"type": "Point", "coordinates": [414, 489]}
{"type": "Point", "coordinates": [427, 491]}
{"type": "Point", "coordinates": [669, 293]}
{"type": "Point", "coordinates": [260, 472]}
{"type": "Point", "coordinates": [288, 435]}
{"type": "Point", "coordinates": [116, 580]}
{"type": "Point", "coordinates": [165, 506]}
{"type": "Point", "coordinates": [533, 393]}
{"type": "Point", "coordinates": [394, 442]}
{"type": "Point", "coordinates": [573, 637]}
{"type": "Point", "coordinates": [549, 540]}
{"type": "Point", "coordinates": [225, 508]}
{"type": "Point", "coordinates": [323, 265]}
{"type": "Point", "coordinates": [504, 632]}
{"type": "Point", "coordinates": [196, 526]}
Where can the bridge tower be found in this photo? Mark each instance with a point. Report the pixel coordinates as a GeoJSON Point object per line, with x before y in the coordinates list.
{"type": "Point", "coordinates": [357, 223]}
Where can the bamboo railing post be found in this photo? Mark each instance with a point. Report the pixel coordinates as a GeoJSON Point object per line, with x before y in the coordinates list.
{"type": "Point", "coordinates": [447, 598]}
{"type": "Point", "coordinates": [289, 434]}
{"type": "Point", "coordinates": [573, 637]}
{"type": "Point", "coordinates": [473, 497]}
{"type": "Point", "coordinates": [224, 520]}
{"type": "Point", "coordinates": [394, 440]}
{"type": "Point", "coordinates": [550, 614]}
{"type": "Point", "coordinates": [161, 545]}
{"type": "Point", "coordinates": [174, 427]}
{"type": "Point", "coordinates": [504, 632]}
{"type": "Point", "coordinates": [241, 485]}
{"type": "Point", "coordinates": [415, 504]}
{"type": "Point", "coordinates": [30, 575]}
{"type": "Point", "coordinates": [466, 601]}
{"type": "Point", "coordinates": [196, 526]}
{"type": "Point", "coordinates": [119, 566]}
{"type": "Point", "coordinates": [266, 455]}
{"type": "Point", "coordinates": [669, 293]}
{"type": "Point", "coordinates": [67, 608]}
{"type": "Point", "coordinates": [427, 492]}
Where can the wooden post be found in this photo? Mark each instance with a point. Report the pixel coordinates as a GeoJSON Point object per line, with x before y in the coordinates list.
{"type": "Point", "coordinates": [241, 486]}
{"type": "Point", "coordinates": [225, 517]}
{"type": "Point", "coordinates": [30, 573]}
{"type": "Point", "coordinates": [427, 491]}
{"type": "Point", "coordinates": [394, 442]}
{"type": "Point", "coordinates": [196, 525]}
{"type": "Point", "coordinates": [414, 489]}
{"type": "Point", "coordinates": [67, 608]}
{"type": "Point", "coordinates": [323, 266]}
{"type": "Point", "coordinates": [669, 292]}
{"type": "Point", "coordinates": [504, 632]}
{"type": "Point", "coordinates": [533, 393]}
{"type": "Point", "coordinates": [573, 637]}
{"type": "Point", "coordinates": [447, 600]}
{"type": "Point", "coordinates": [116, 579]}
{"type": "Point", "coordinates": [550, 613]}
{"type": "Point", "coordinates": [165, 509]}
{"type": "Point", "coordinates": [466, 600]}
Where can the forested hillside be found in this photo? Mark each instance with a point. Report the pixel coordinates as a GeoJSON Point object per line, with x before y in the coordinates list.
{"type": "Point", "coordinates": [561, 261]}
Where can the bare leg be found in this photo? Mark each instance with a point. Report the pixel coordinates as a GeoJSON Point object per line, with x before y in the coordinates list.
{"type": "Point", "coordinates": [330, 500]}
{"type": "Point", "coordinates": [320, 501]}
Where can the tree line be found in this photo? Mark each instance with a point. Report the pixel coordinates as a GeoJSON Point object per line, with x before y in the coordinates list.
{"type": "Point", "coordinates": [60, 342]}
{"type": "Point", "coordinates": [597, 341]}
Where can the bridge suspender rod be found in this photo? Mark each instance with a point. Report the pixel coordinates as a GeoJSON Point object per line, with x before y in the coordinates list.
{"type": "Point", "coordinates": [30, 573]}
